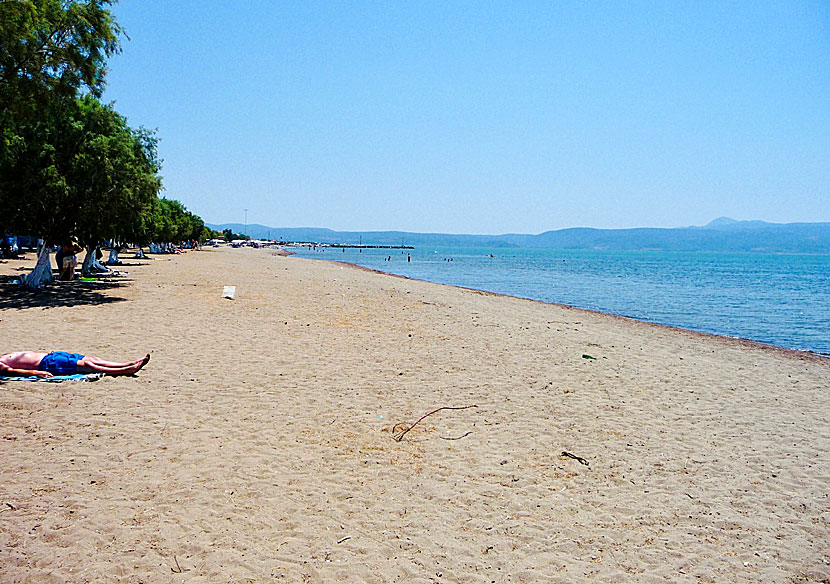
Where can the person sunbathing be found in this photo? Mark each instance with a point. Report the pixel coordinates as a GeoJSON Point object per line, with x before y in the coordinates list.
{"type": "Point", "coordinates": [46, 365]}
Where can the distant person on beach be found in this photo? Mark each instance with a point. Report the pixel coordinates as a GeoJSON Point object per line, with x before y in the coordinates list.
{"type": "Point", "coordinates": [66, 260]}
{"type": "Point", "coordinates": [46, 365]}
{"type": "Point", "coordinates": [6, 250]}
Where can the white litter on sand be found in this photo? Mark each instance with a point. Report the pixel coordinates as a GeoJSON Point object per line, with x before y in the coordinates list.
{"type": "Point", "coordinates": [229, 292]}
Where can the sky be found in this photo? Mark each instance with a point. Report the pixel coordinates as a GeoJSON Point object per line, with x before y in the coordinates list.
{"type": "Point", "coordinates": [483, 117]}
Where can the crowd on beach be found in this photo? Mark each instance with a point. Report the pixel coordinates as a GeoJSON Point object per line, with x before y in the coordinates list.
{"type": "Point", "coordinates": [66, 256]}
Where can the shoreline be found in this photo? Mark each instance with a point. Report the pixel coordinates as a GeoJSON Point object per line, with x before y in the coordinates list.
{"type": "Point", "coordinates": [793, 353]}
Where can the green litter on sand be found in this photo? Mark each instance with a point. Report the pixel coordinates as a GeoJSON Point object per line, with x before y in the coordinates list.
{"type": "Point", "coordinates": [89, 279]}
{"type": "Point", "coordinates": [587, 356]}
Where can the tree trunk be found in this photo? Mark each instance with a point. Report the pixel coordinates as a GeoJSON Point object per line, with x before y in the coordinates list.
{"type": "Point", "coordinates": [86, 268]}
{"type": "Point", "coordinates": [91, 264]}
{"type": "Point", "coordinates": [42, 272]}
{"type": "Point", "coordinates": [97, 265]}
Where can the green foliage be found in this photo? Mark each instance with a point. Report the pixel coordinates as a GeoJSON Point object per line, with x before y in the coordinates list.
{"type": "Point", "coordinates": [70, 165]}
{"type": "Point", "coordinates": [208, 233]}
{"type": "Point", "coordinates": [113, 174]}
{"type": "Point", "coordinates": [79, 169]}
{"type": "Point", "coordinates": [51, 49]}
{"type": "Point", "coordinates": [172, 222]}
{"type": "Point", "coordinates": [230, 235]}
{"type": "Point", "coordinates": [33, 182]}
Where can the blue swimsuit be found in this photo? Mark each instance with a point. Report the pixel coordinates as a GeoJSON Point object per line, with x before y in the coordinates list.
{"type": "Point", "coordinates": [60, 363]}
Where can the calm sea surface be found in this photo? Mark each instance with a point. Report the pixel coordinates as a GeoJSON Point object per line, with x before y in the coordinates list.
{"type": "Point", "coordinates": [781, 300]}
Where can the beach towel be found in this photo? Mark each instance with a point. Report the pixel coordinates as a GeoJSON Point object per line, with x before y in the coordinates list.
{"type": "Point", "coordinates": [58, 378]}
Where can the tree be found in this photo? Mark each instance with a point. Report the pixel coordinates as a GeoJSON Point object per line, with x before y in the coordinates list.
{"type": "Point", "coordinates": [70, 165]}
{"type": "Point", "coordinates": [172, 222]}
{"type": "Point", "coordinates": [113, 176]}
{"type": "Point", "coordinates": [33, 185]}
{"type": "Point", "coordinates": [80, 170]}
{"type": "Point", "coordinates": [49, 51]}
{"type": "Point", "coordinates": [230, 235]}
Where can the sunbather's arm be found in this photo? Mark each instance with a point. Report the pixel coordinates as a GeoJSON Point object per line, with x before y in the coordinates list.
{"type": "Point", "coordinates": [11, 371]}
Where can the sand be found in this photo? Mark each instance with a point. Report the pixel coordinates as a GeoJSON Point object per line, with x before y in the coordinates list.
{"type": "Point", "coordinates": [259, 446]}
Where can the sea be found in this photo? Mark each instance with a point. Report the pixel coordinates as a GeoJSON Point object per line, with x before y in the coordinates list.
{"type": "Point", "coordinates": [777, 299]}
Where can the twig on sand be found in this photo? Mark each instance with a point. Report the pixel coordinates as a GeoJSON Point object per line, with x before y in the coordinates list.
{"type": "Point", "coordinates": [178, 569]}
{"type": "Point", "coordinates": [457, 437]}
{"type": "Point", "coordinates": [400, 436]}
{"type": "Point", "coordinates": [344, 539]}
{"type": "Point", "coordinates": [575, 457]}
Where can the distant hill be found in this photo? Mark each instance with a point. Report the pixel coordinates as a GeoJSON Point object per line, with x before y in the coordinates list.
{"type": "Point", "coordinates": [721, 235]}
{"type": "Point", "coordinates": [728, 224]}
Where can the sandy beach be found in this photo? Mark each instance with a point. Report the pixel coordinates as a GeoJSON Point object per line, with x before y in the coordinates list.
{"type": "Point", "coordinates": [259, 444]}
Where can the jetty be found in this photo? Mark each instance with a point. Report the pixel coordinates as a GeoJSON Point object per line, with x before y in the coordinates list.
{"type": "Point", "coordinates": [347, 245]}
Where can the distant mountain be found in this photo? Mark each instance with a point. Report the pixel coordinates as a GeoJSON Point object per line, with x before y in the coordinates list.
{"type": "Point", "coordinates": [721, 235]}
{"type": "Point", "coordinates": [723, 223]}
{"type": "Point", "coordinates": [727, 224]}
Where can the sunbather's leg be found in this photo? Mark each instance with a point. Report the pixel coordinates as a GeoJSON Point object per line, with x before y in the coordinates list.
{"type": "Point", "coordinates": [84, 367]}
{"type": "Point", "coordinates": [95, 365]}
{"type": "Point", "coordinates": [90, 360]}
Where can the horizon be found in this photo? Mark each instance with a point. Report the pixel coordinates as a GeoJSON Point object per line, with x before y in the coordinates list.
{"type": "Point", "coordinates": [483, 119]}
{"type": "Point", "coordinates": [688, 226]}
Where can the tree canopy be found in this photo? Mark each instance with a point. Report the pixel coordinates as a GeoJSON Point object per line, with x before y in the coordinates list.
{"type": "Point", "coordinates": [230, 235]}
{"type": "Point", "coordinates": [171, 221]}
{"type": "Point", "coordinates": [53, 49]}
{"type": "Point", "coordinates": [113, 175]}
{"type": "Point", "coordinates": [69, 164]}
{"type": "Point", "coordinates": [78, 170]}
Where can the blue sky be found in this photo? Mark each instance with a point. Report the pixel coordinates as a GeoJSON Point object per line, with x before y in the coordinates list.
{"type": "Point", "coordinates": [483, 117]}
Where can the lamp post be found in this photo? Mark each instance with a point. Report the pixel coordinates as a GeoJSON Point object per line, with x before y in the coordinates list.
{"type": "Point", "coordinates": [246, 221]}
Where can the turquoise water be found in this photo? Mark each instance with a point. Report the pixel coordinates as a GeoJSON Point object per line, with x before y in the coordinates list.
{"type": "Point", "coordinates": [781, 300]}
